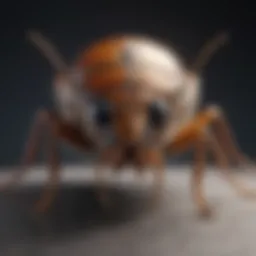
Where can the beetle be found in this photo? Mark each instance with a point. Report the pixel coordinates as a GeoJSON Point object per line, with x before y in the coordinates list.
{"type": "Point", "coordinates": [131, 99]}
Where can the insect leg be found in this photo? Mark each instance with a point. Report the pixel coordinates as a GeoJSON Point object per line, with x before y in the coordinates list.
{"type": "Point", "coordinates": [200, 155]}
{"type": "Point", "coordinates": [226, 138]}
{"type": "Point", "coordinates": [222, 162]}
{"type": "Point", "coordinates": [192, 134]}
{"type": "Point", "coordinates": [31, 148]}
{"type": "Point", "coordinates": [49, 193]}
{"type": "Point", "coordinates": [59, 130]}
{"type": "Point", "coordinates": [45, 121]}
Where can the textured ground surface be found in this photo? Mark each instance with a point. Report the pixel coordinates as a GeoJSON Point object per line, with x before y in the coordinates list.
{"type": "Point", "coordinates": [77, 226]}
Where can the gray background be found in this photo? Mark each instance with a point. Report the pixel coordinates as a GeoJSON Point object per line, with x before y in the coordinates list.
{"type": "Point", "coordinates": [26, 76]}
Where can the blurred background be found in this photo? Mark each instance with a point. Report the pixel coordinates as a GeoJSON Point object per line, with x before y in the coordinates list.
{"type": "Point", "coordinates": [26, 75]}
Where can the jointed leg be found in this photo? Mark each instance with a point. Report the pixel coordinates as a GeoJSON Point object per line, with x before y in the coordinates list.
{"type": "Point", "coordinates": [200, 155]}
{"type": "Point", "coordinates": [225, 150]}
{"type": "Point", "coordinates": [59, 130]}
{"type": "Point", "coordinates": [159, 180]}
{"type": "Point", "coordinates": [212, 118]}
{"type": "Point", "coordinates": [152, 157]}
{"type": "Point", "coordinates": [203, 145]}
{"type": "Point", "coordinates": [47, 122]}
{"type": "Point", "coordinates": [224, 166]}
{"type": "Point", "coordinates": [156, 160]}
{"type": "Point", "coordinates": [117, 157]}
{"type": "Point", "coordinates": [101, 190]}
{"type": "Point", "coordinates": [225, 137]}
{"type": "Point", "coordinates": [108, 158]}
{"type": "Point", "coordinates": [51, 188]}
{"type": "Point", "coordinates": [31, 149]}
{"type": "Point", "coordinates": [43, 124]}
{"type": "Point", "coordinates": [193, 133]}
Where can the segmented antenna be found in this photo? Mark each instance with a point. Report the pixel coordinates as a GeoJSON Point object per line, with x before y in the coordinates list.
{"type": "Point", "coordinates": [47, 49]}
{"type": "Point", "coordinates": [208, 50]}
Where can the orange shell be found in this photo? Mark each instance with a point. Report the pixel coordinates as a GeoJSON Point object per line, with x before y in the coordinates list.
{"type": "Point", "coordinates": [103, 65]}
{"type": "Point", "coordinates": [112, 65]}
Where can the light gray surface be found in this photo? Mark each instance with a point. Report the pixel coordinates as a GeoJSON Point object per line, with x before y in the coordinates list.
{"type": "Point", "coordinates": [76, 225]}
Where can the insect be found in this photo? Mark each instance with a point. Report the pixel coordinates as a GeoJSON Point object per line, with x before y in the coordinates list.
{"type": "Point", "coordinates": [132, 100]}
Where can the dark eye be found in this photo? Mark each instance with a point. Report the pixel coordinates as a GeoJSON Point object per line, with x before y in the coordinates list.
{"type": "Point", "coordinates": [102, 114]}
{"type": "Point", "coordinates": [158, 113]}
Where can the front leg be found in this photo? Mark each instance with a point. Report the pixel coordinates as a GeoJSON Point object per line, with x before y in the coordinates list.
{"type": "Point", "coordinates": [59, 130]}
{"type": "Point", "coordinates": [43, 124]}
{"type": "Point", "coordinates": [199, 166]}
{"type": "Point", "coordinates": [47, 123]}
{"type": "Point", "coordinates": [51, 188]}
{"type": "Point", "coordinates": [111, 157]}
{"type": "Point", "coordinates": [31, 149]}
{"type": "Point", "coordinates": [222, 162]}
{"type": "Point", "coordinates": [226, 139]}
{"type": "Point", "coordinates": [157, 161]}
{"type": "Point", "coordinates": [153, 158]}
{"type": "Point", "coordinates": [194, 132]}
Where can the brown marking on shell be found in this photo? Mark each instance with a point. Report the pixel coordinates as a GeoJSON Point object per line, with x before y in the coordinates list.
{"type": "Point", "coordinates": [103, 66]}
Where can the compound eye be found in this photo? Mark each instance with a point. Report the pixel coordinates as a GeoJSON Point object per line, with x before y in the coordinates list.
{"type": "Point", "coordinates": [158, 114]}
{"type": "Point", "coordinates": [102, 114]}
